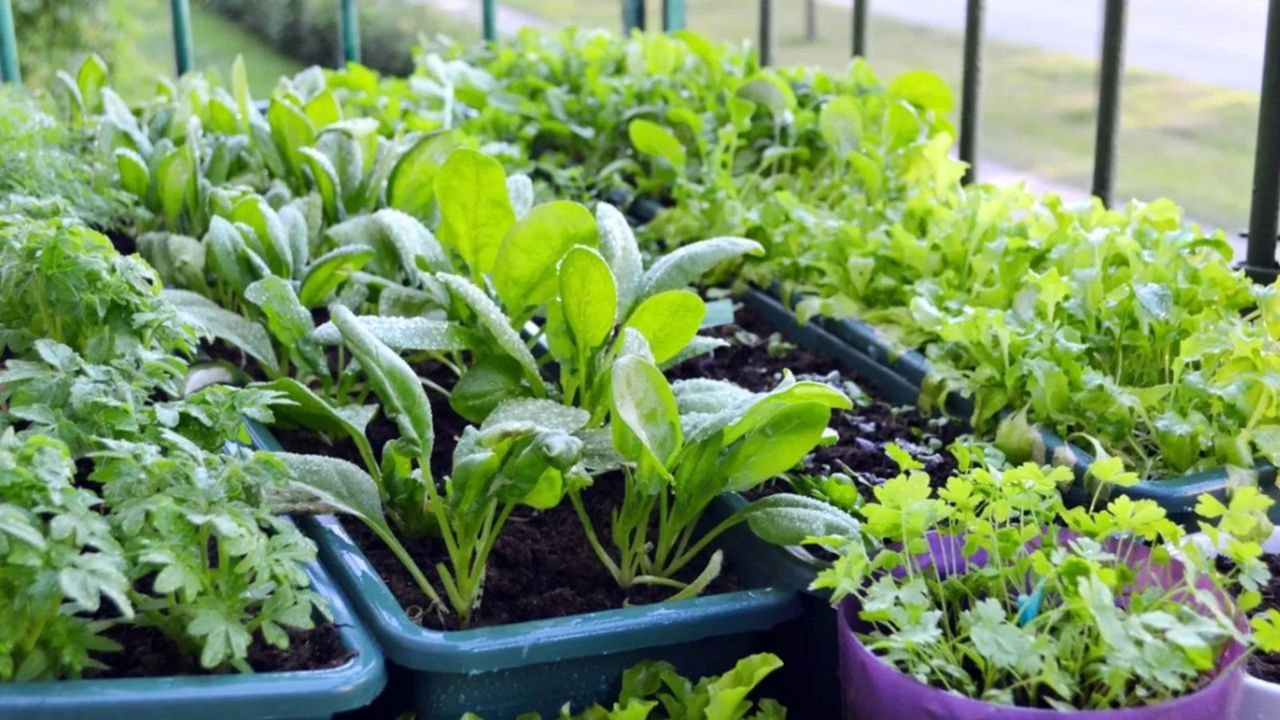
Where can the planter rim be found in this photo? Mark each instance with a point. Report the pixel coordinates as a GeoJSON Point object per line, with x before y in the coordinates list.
{"type": "Point", "coordinates": [292, 694]}
{"type": "Point", "coordinates": [538, 641]}
{"type": "Point", "coordinates": [1176, 494]}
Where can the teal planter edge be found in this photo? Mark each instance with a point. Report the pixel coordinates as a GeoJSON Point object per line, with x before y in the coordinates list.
{"type": "Point", "coordinates": [294, 694]}
{"type": "Point", "coordinates": [541, 641]}
{"type": "Point", "coordinates": [902, 373]}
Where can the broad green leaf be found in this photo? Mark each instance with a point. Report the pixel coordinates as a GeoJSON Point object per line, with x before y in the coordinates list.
{"type": "Point", "coordinates": [287, 319]}
{"type": "Point", "coordinates": [619, 248]}
{"type": "Point", "coordinates": [546, 414]}
{"type": "Point", "coordinates": [329, 271]}
{"type": "Point", "coordinates": [134, 176]}
{"type": "Point", "coordinates": [786, 519]}
{"type": "Point", "coordinates": [296, 236]}
{"type": "Point", "coordinates": [411, 185]}
{"type": "Point", "coordinates": [323, 110]}
{"type": "Point", "coordinates": [525, 273]}
{"type": "Point", "coordinates": [680, 268]}
{"type": "Point", "coordinates": [178, 259]}
{"type": "Point", "coordinates": [210, 320]}
{"type": "Point", "coordinates": [395, 383]}
{"type": "Point", "coordinates": [841, 122]}
{"type": "Point", "coordinates": [475, 210]}
{"type": "Point", "coordinates": [326, 181]}
{"type": "Point", "coordinates": [310, 411]}
{"type": "Point", "coordinates": [776, 445]}
{"type": "Point", "coordinates": [588, 297]}
{"type": "Point", "coordinates": [254, 211]}
{"type": "Point", "coordinates": [669, 321]}
{"type": "Point", "coordinates": [230, 259]}
{"type": "Point", "coordinates": [485, 385]}
{"type": "Point", "coordinates": [405, 333]}
{"type": "Point", "coordinates": [90, 79]}
{"type": "Point", "coordinates": [923, 89]}
{"type": "Point", "coordinates": [646, 424]}
{"type": "Point", "coordinates": [173, 179]}
{"type": "Point", "coordinates": [766, 90]}
{"type": "Point", "coordinates": [291, 131]}
{"type": "Point", "coordinates": [240, 90]}
{"type": "Point", "coordinates": [498, 326]}
{"type": "Point", "coordinates": [653, 139]}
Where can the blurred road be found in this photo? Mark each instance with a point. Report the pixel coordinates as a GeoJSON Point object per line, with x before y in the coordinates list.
{"type": "Point", "coordinates": [1213, 41]}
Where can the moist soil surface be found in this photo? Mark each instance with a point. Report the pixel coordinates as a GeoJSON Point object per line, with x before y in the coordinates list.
{"type": "Point", "coordinates": [149, 653]}
{"type": "Point", "coordinates": [755, 361]}
{"type": "Point", "coordinates": [1267, 667]}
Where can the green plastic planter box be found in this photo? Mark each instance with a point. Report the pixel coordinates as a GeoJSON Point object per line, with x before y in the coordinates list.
{"type": "Point", "coordinates": [501, 672]}
{"type": "Point", "coordinates": [866, 350]}
{"type": "Point", "coordinates": [263, 696]}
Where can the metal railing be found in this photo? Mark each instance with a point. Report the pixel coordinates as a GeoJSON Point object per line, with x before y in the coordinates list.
{"type": "Point", "coordinates": [1259, 261]}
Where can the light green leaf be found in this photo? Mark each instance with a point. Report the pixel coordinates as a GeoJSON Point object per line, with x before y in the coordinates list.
{"type": "Point", "coordinates": [287, 319]}
{"type": "Point", "coordinates": [134, 176]}
{"type": "Point", "coordinates": [653, 139]}
{"type": "Point", "coordinates": [775, 445]}
{"type": "Point", "coordinates": [588, 298]}
{"type": "Point", "coordinates": [475, 210]}
{"type": "Point", "coordinates": [841, 122]}
{"type": "Point", "coordinates": [545, 414]}
{"type": "Point", "coordinates": [525, 274]}
{"type": "Point", "coordinates": [646, 423]}
{"type": "Point", "coordinates": [923, 89]}
{"type": "Point", "coordinates": [787, 519]}
{"type": "Point", "coordinates": [310, 411]}
{"type": "Point", "coordinates": [669, 321]}
{"type": "Point", "coordinates": [329, 271]}
{"type": "Point", "coordinates": [520, 192]}
{"type": "Point", "coordinates": [411, 185]}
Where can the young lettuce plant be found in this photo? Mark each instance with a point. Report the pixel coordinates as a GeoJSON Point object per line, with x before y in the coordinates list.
{"type": "Point", "coordinates": [682, 449]}
{"type": "Point", "coordinates": [524, 454]}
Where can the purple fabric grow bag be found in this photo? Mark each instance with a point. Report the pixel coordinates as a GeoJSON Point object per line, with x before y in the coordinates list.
{"type": "Point", "coordinates": [872, 689]}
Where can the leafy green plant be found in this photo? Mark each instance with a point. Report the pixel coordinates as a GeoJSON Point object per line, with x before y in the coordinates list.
{"type": "Point", "coordinates": [682, 449]}
{"type": "Point", "coordinates": [991, 588]}
{"type": "Point", "coordinates": [524, 454]}
{"type": "Point", "coordinates": [656, 687]}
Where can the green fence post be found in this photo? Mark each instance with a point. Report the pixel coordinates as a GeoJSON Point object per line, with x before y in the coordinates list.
{"type": "Point", "coordinates": [490, 20]}
{"type": "Point", "coordinates": [1111, 74]}
{"type": "Point", "coordinates": [9, 71]}
{"type": "Point", "coordinates": [349, 28]}
{"type": "Point", "coordinates": [860, 28]}
{"type": "Point", "coordinates": [632, 16]}
{"type": "Point", "coordinates": [1260, 261]}
{"type": "Point", "coordinates": [971, 87]}
{"type": "Point", "coordinates": [673, 15]}
{"type": "Point", "coordinates": [766, 32]}
{"type": "Point", "coordinates": [180, 14]}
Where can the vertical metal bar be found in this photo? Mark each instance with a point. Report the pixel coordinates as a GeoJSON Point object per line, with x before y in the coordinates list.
{"type": "Point", "coordinates": [1111, 72]}
{"type": "Point", "coordinates": [811, 20]}
{"type": "Point", "coordinates": [860, 28]}
{"type": "Point", "coordinates": [1260, 260]}
{"type": "Point", "coordinates": [674, 16]}
{"type": "Point", "coordinates": [180, 13]}
{"type": "Point", "coordinates": [766, 32]}
{"type": "Point", "coordinates": [971, 88]}
{"type": "Point", "coordinates": [632, 16]}
{"type": "Point", "coordinates": [490, 20]}
{"type": "Point", "coordinates": [349, 29]}
{"type": "Point", "coordinates": [9, 71]}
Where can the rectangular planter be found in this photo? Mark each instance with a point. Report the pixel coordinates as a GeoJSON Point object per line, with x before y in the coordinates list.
{"type": "Point", "coordinates": [501, 672]}
{"type": "Point", "coordinates": [901, 375]}
{"type": "Point", "coordinates": [262, 696]}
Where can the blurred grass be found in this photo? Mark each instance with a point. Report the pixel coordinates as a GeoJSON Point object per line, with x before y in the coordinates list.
{"type": "Point", "coordinates": [147, 49]}
{"type": "Point", "coordinates": [1188, 141]}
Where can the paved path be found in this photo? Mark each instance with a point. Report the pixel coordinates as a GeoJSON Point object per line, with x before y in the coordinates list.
{"type": "Point", "coordinates": [1213, 41]}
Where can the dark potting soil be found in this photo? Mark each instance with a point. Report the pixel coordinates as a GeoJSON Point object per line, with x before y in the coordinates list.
{"type": "Point", "coordinates": [542, 567]}
{"type": "Point", "coordinates": [1267, 667]}
{"type": "Point", "coordinates": [147, 652]}
{"type": "Point", "coordinates": [756, 359]}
